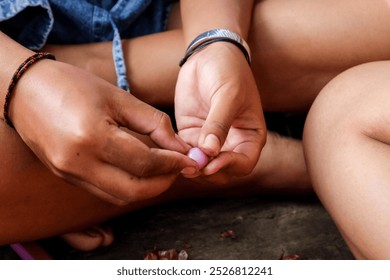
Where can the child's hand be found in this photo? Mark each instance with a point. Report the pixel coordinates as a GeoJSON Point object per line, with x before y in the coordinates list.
{"type": "Point", "coordinates": [77, 124]}
{"type": "Point", "coordinates": [217, 107]}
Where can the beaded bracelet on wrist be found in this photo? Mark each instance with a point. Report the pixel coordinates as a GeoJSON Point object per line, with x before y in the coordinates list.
{"type": "Point", "coordinates": [16, 77]}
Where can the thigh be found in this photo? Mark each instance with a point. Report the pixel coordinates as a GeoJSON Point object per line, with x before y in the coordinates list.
{"type": "Point", "coordinates": [33, 202]}
{"type": "Point", "coordinates": [347, 150]}
{"type": "Point", "coordinates": [299, 46]}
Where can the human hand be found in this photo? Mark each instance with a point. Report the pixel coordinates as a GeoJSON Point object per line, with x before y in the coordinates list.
{"type": "Point", "coordinates": [77, 124]}
{"type": "Point", "coordinates": [218, 109]}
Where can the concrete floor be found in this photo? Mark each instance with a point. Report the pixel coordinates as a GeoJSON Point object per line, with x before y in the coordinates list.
{"type": "Point", "coordinates": [265, 228]}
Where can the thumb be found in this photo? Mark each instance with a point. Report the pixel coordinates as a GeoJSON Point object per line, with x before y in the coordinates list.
{"type": "Point", "coordinates": [217, 126]}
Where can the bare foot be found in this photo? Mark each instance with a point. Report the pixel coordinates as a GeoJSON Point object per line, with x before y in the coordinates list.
{"type": "Point", "coordinates": [89, 239]}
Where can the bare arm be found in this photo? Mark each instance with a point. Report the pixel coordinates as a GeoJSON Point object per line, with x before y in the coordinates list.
{"type": "Point", "coordinates": [203, 15]}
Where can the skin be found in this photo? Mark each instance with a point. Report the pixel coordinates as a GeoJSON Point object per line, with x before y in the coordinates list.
{"type": "Point", "coordinates": [235, 141]}
{"type": "Point", "coordinates": [350, 172]}
{"type": "Point", "coordinates": [289, 71]}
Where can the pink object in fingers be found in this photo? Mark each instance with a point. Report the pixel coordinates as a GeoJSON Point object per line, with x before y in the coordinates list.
{"type": "Point", "coordinates": [199, 156]}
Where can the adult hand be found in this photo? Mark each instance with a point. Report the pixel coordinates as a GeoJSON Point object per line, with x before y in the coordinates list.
{"type": "Point", "coordinates": [218, 109]}
{"type": "Point", "coordinates": [78, 125]}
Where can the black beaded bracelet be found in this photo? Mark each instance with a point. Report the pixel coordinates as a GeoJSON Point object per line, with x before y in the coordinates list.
{"type": "Point", "coordinates": [213, 36]}
{"type": "Point", "coordinates": [15, 78]}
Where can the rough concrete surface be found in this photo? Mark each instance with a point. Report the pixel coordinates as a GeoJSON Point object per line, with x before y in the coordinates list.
{"type": "Point", "coordinates": [265, 228]}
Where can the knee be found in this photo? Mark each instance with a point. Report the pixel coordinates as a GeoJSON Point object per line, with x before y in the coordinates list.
{"type": "Point", "coordinates": [354, 104]}
{"type": "Point", "coordinates": [332, 110]}
{"type": "Point", "coordinates": [357, 101]}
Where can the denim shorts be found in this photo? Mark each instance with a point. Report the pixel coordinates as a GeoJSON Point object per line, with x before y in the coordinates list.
{"type": "Point", "coordinates": [34, 23]}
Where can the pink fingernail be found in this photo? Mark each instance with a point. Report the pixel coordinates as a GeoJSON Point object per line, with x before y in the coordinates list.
{"type": "Point", "coordinates": [199, 156]}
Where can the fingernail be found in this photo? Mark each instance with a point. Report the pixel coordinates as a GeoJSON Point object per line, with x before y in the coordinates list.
{"type": "Point", "coordinates": [211, 144]}
{"type": "Point", "coordinates": [189, 170]}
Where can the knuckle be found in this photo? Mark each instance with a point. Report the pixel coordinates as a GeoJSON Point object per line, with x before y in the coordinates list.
{"type": "Point", "coordinates": [175, 166]}
{"type": "Point", "coordinates": [221, 126]}
{"type": "Point", "coordinates": [61, 162]}
{"type": "Point", "coordinates": [64, 156]}
{"type": "Point", "coordinates": [82, 138]}
{"type": "Point", "coordinates": [157, 163]}
{"type": "Point", "coordinates": [163, 161]}
{"type": "Point", "coordinates": [144, 169]}
{"type": "Point", "coordinates": [145, 166]}
{"type": "Point", "coordinates": [163, 119]}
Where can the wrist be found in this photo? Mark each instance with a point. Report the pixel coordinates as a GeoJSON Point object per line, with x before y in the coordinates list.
{"type": "Point", "coordinates": [190, 36]}
{"type": "Point", "coordinates": [213, 36]}
{"type": "Point", "coordinates": [17, 82]}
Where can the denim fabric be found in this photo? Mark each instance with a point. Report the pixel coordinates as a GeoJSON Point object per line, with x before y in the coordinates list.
{"type": "Point", "coordinates": [33, 23]}
{"type": "Point", "coordinates": [29, 22]}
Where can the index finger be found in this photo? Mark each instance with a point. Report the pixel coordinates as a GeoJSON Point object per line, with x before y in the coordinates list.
{"type": "Point", "coordinates": [142, 118]}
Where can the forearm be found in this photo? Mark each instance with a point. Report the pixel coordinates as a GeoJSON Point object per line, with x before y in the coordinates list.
{"type": "Point", "coordinates": [202, 15]}
{"type": "Point", "coordinates": [151, 61]}
{"type": "Point", "coordinates": [11, 56]}
{"type": "Point", "coordinates": [96, 58]}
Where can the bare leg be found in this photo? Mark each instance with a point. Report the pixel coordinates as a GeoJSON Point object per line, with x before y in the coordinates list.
{"type": "Point", "coordinates": [299, 46]}
{"type": "Point", "coordinates": [347, 146]}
